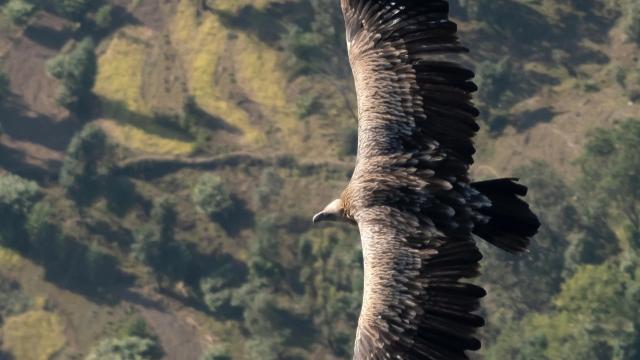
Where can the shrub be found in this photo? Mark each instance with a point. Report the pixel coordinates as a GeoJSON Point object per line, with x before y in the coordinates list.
{"type": "Point", "coordinates": [12, 300]}
{"type": "Point", "coordinates": [264, 261]}
{"type": "Point", "coordinates": [17, 197]}
{"type": "Point", "coordinates": [77, 72]}
{"type": "Point", "coordinates": [137, 327]}
{"type": "Point", "coordinates": [103, 17]}
{"type": "Point", "coordinates": [101, 269]}
{"type": "Point", "coordinates": [80, 172]}
{"type": "Point", "coordinates": [610, 173]}
{"type": "Point", "coordinates": [17, 194]}
{"type": "Point", "coordinates": [155, 244]}
{"type": "Point", "coordinates": [169, 259]}
{"type": "Point", "coordinates": [72, 9]}
{"type": "Point", "coordinates": [496, 121]}
{"type": "Point", "coordinates": [145, 247]}
{"type": "Point", "coordinates": [164, 216]}
{"type": "Point", "coordinates": [216, 287]}
{"type": "Point", "coordinates": [214, 293]}
{"type": "Point", "coordinates": [18, 11]}
{"type": "Point", "coordinates": [494, 80]}
{"type": "Point", "coordinates": [306, 105]}
{"type": "Point", "coordinates": [43, 233]}
{"type": "Point", "coordinates": [217, 353]}
{"type": "Point", "coordinates": [120, 193]}
{"type": "Point", "coordinates": [128, 348]}
{"type": "Point", "coordinates": [211, 197]}
{"type": "Point", "coordinates": [632, 28]}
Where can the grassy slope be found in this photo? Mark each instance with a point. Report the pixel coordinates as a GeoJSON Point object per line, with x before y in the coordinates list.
{"type": "Point", "coordinates": [239, 80]}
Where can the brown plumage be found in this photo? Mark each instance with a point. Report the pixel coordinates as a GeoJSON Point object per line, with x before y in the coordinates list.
{"type": "Point", "coordinates": [410, 193]}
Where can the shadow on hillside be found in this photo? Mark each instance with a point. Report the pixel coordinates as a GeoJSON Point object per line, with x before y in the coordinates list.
{"type": "Point", "coordinates": [72, 265]}
{"type": "Point", "coordinates": [120, 17]}
{"type": "Point", "coordinates": [18, 163]}
{"type": "Point", "coordinates": [268, 24]}
{"type": "Point", "coordinates": [220, 265]}
{"type": "Point", "coordinates": [164, 125]}
{"type": "Point", "coordinates": [529, 34]}
{"type": "Point", "coordinates": [119, 236]}
{"type": "Point", "coordinates": [48, 37]}
{"type": "Point", "coordinates": [528, 119]}
{"type": "Point", "coordinates": [236, 219]}
{"type": "Point", "coordinates": [139, 299]}
{"type": "Point", "coordinates": [22, 124]}
{"type": "Point", "coordinates": [208, 121]}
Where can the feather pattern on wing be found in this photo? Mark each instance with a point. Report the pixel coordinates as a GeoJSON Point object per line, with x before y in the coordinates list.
{"type": "Point", "coordinates": [410, 191]}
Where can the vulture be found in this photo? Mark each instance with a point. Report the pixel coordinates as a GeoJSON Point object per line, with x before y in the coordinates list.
{"type": "Point", "coordinates": [417, 211]}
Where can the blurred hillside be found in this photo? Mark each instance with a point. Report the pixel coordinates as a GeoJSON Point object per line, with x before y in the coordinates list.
{"type": "Point", "coordinates": [160, 162]}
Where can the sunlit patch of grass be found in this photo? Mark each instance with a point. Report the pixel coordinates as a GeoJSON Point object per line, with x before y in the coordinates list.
{"type": "Point", "coordinates": [120, 71]}
{"type": "Point", "coordinates": [137, 139]}
{"type": "Point", "coordinates": [9, 259]}
{"type": "Point", "coordinates": [234, 5]}
{"type": "Point", "coordinates": [260, 73]}
{"type": "Point", "coordinates": [34, 335]}
{"type": "Point", "coordinates": [202, 44]}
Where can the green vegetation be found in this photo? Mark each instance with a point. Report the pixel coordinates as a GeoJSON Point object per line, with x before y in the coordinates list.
{"type": "Point", "coordinates": [77, 72]}
{"type": "Point", "coordinates": [103, 17]}
{"type": "Point", "coordinates": [211, 197]}
{"type": "Point", "coordinates": [81, 172]}
{"type": "Point", "coordinates": [155, 244]}
{"type": "Point", "coordinates": [585, 306]}
{"type": "Point", "coordinates": [332, 279]}
{"type": "Point", "coordinates": [632, 27]}
{"type": "Point", "coordinates": [128, 348]}
{"type": "Point", "coordinates": [17, 197]}
{"type": "Point", "coordinates": [217, 353]}
{"type": "Point", "coordinates": [611, 173]}
{"type": "Point", "coordinates": [72, 9]}
{"type": "Point", "coordinates": [19, 11]}
{"type": "Point", "coordinates": [133, 341]}
{"type": "Point", "coordinates": [495, 81]}
{"type": "Point", "coordinates": [13, 301]}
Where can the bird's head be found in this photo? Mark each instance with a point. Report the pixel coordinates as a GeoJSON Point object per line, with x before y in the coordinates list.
{"type": "Point", "coordinates": [332, 212]}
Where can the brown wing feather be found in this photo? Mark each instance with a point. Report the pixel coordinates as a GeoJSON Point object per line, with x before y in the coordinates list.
{"type": "Point", "coordinates": [414, 305]}
{"type": "Point", "coordinates": [410, 191]}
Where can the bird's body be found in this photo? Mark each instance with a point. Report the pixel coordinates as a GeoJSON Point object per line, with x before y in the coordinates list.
{"type": "Point", "coordinates": [410, 194]}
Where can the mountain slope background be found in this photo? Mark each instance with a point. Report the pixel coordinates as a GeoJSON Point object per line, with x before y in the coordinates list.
{"type": "Point", "coordinates": [160, 162]}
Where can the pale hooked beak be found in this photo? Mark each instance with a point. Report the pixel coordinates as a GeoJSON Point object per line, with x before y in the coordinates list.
{"type": "Point", "coordinates": [319, 217]}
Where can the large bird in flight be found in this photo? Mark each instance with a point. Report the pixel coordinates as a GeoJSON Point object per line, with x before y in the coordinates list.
{"type": "Point", "coordinates": [410, 194]}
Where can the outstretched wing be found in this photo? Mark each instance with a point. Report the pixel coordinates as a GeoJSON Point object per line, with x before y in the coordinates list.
{"type": "Point", "coordinates": [410, 98]}
{"type": "Point", "coordinates": [410, 191]}
{"type": "Point", "coordinates": [414, 306]}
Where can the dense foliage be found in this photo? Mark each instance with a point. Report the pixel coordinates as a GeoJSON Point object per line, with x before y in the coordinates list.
{"type": "Point", "coordinates": [211, 197]}
{"type": "Point", "coordinates": [76, 71]}
{"type": "Point", "coordinates": [17, 197]}
{"type": "Point", "coordinates": [81, 173]}
{"type": "Point", "coordinates": [19, 11]}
